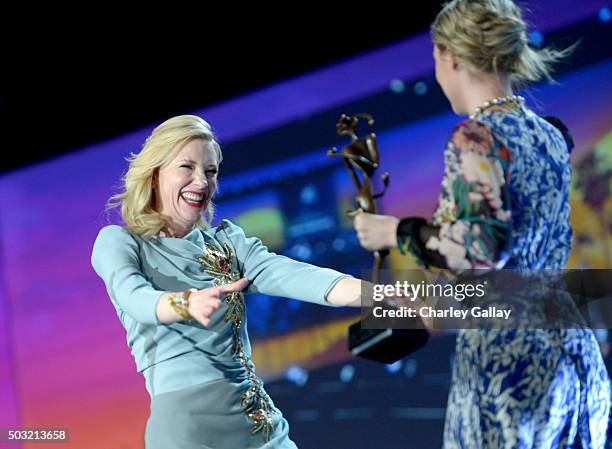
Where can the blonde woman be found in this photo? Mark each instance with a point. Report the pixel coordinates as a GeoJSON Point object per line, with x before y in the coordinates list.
{"type": "Point", "coordinates": [176, 284]}
{"type": "Point", "coordinates": [504, 204]}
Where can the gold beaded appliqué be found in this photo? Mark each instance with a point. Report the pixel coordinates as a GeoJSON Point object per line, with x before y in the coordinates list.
{"type": "Point", "coordinates": [217, 262]}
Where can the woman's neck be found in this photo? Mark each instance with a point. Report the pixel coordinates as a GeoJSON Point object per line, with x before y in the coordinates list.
{"type": "Point", "coordinates": [173, 232]}
{"type": "Point", "coordinates": [483, 90]}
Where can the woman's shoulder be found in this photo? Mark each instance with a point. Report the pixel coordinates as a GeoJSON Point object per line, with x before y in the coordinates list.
{"type": "Point", "coordinates": [526, 128]}
{"type": "Point", "coordinates": [113, 230]}
{"type": "Point", "coordinates": [113, 242]}
{"type": "Point", "coordinates": [114, 234]}
{"type": "Point", "coordinates": [226, 229]}
{"type": "Point", "coordinates": [472, 136]}
{"type": "Point", "coordinates": [233, 234]}
{"type": "Point", "coordinates": [472, 127]}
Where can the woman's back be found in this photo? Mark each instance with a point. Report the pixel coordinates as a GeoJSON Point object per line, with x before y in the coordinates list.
{"type": "Point", "coordinates": [539, 175]}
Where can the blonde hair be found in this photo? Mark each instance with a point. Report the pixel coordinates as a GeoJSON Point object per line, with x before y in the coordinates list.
{"type": "Point", "coordinates": [136, 199]}
{"type": "Point", "coordinates": [491, 37]}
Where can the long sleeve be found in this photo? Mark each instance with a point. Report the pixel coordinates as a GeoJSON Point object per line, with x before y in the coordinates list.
{"type": "Point", "coordinates": [115, 258]}
{"type": "Point", "coordinates": [277, 275]}
{"type": "Point", "coordinates": [471, 226]}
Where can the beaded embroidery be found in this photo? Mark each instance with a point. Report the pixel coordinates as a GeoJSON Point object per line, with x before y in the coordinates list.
{"type": "Point", "coordinates": [255, 401]}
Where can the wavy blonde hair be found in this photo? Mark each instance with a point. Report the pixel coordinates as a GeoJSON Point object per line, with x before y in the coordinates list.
{"type": "Point", "coordinates": [137, 199]}
{"type": "Point", "coordinates": [491, 37]}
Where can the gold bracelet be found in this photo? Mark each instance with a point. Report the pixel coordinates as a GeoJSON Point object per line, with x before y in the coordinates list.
{"type": "Point", "coordinates": [180, 303]}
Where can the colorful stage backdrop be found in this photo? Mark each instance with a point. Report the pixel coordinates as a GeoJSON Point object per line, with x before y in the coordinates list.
{"type": "Point", "coordinates": [63, 357]}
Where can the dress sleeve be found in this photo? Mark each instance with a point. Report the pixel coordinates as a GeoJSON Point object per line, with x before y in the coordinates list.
{"type": "Point", "coordinates": [278, 275]}
{"type": "Point", "coordinates": [471, 226]}
{"type": "Point", "coordinates": [116, 259]}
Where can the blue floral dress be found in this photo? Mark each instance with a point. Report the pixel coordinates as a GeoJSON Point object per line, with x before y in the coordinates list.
{"type": "Point", "coordinates": [505, 204]}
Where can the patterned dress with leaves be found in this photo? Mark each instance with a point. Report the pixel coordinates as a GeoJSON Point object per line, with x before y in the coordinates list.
{"type": "Point", "coordinates": [505, 204]}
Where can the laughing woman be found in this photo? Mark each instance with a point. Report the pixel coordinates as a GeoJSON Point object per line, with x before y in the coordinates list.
{"type": "Point", "coordinates": [504, 203]}
{"type": "Point", "coordinates": [176, 284]}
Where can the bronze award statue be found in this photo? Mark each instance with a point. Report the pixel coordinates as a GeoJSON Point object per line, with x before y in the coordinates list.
{"type": "Point", "coordinates": [361, 157]}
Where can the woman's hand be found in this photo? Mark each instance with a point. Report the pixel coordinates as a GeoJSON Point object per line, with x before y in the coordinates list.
{"type": "Point", "coordinates": [376, 232]}
{"type": "Point", "coordinates": [202, 303]}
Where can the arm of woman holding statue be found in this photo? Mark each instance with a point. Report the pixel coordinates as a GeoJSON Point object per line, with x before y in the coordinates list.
{"type": "Point", "coordinates": [470, 228]}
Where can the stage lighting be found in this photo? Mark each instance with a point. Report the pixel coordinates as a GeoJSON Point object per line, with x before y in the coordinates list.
{"type": "Point", "coordinates": [301, 251]}
{"type": "Point", "coordinates": [420, 88]}
{"type": "Point", "coordinates": [397, 86]}
{"type": "Point", "coordinates": [309, 194]}
{"type": "Point", "coordinates": [296, 375]}
{"type": "Point", "coordinates": [347, 373]}
{"type": "Point", "coordinates": [394, 367]}
{"type": "Point", "coordinates": [410, 368]}
{"type": "Point", "coordinates": [339, 244]}
{"type": "Point", "coordinates": [536, 38]}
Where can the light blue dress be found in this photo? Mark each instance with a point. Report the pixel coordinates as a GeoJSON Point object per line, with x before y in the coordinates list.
{"type": "Point", "coordinates": [202, 382]}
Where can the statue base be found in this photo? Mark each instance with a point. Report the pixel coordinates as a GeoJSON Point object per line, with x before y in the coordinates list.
{"type": "Point", "coordinates": [385, 345]}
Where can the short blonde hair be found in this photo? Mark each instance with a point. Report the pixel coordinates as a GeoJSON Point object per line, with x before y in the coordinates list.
{"type": "Point", "coordinates": [491, 37]}
{"type": "Point", "coordinates": [136, 199]}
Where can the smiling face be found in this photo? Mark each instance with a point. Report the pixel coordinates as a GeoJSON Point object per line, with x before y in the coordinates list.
{"type": "Point", "coordinates": [185, 185]}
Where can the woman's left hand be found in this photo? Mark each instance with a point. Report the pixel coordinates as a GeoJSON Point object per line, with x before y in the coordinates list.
{"type": "Point", "coordinates": [376, 232]}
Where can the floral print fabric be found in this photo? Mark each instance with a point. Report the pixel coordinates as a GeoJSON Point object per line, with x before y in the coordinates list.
{"type": "Point", "coordinates": [504, 203]}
